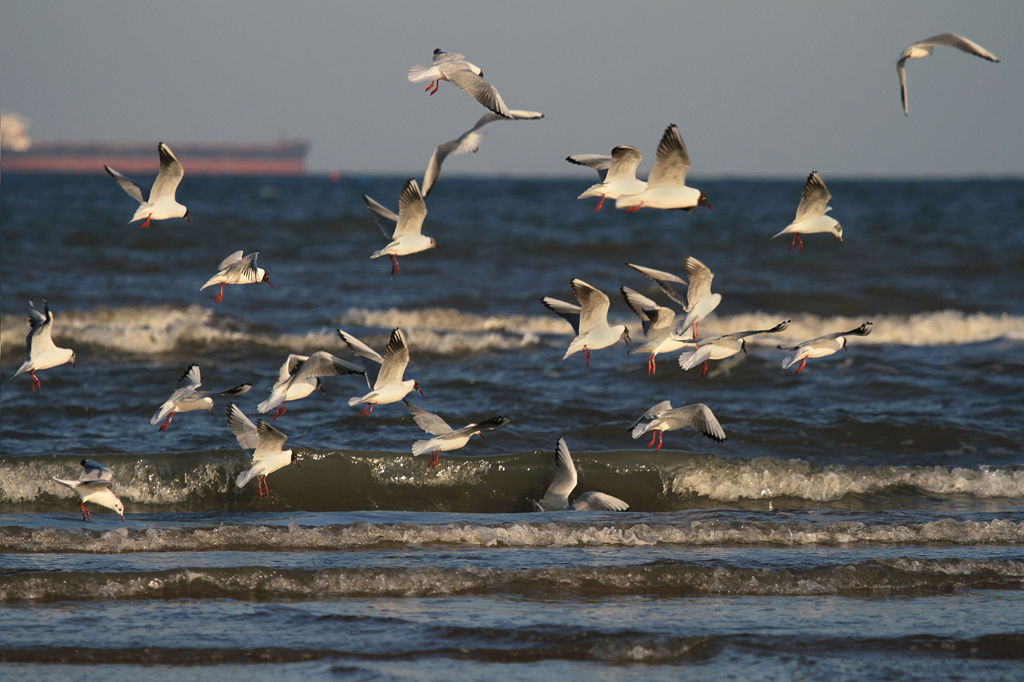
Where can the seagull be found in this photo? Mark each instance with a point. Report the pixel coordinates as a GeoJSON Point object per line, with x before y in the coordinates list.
{"type": "Point", "coordinates": [467, 142]}
{"type": "Point", "coordinates": [589, 320]}
{"type": "Point", "coordinates": [188, 397]}
{"type": "Point", "coordinates": [698, 302]}
{"type": "Point", "coordinates": [720, 346]}
{"type": "Point", "coordinates": [666, 184]}
{"type": "Point", "coordinates": [445, 437]}
{"type": "Point", "coordinates": [408, 237]}
{"type": "Point", "coordinates": [658, 323]}
{"type": "Point", "coordinates": [266, 442]}
{"type": "Point", "coordinates": [237, 269]}
{"type": "Point", "coordinates": [40, 350]}
{"type": "Point", "coordinates": [160, 203]}
{"type": "Point", "coordinates": [300, 375]}
{"type": "Point", "coordinates": [810, 214]}
{"type": "Point", "coordinates": [556, 498]}
{"type": "Point", "coordinates": [93, 485]}
{"type": "Point", "coordinates": [618, 173]}
{"type": "Point", "coordinates": [821, 346]}
{"type": "Point", "coordinates": [389, 386]}
{"type": "Point", "coordinates": [453, 67]}
{"type": "Point", "coordinates": [924, 48]}
{"type": "Point", "coordinates": [663, 417]}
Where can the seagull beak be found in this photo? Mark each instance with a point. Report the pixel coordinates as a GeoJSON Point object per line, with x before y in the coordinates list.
{"type": "Point", "coordinates": [187, 218]}
{"type": "Point", "coordinates": [267, 280]}
{"type": "Point", "coordinates": [122, 517]}
{"type": "Point", "coordinates": [297, 464]}
{"type": "Point", "coordinates": [840, 238]}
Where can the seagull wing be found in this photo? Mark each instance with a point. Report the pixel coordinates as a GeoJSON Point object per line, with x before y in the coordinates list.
{"type": "Point", "coordinates": [595, 501]}
{"type": "Point", "coordinates": [599, 162]}
{"type": "Point", "coordinates": [672, 161]}
{"type": "Point", "coordinates": [594, 305]}
{"type": "Point", "coordinates": [324, 364]}
{"type": "Point", "coordinates": [382, 216]}
{"type": "Point", "coordinates": [666, 281]}
{"type": "Point", "coordinates": [243, 428]}
{"type": "Point", "coordinates": [230, 260]}
{"type": "Point", "coordinates": [412, 210]}
{"type": "Point", "coordinates": [271, 441]}
{"type": "Point", "coordinates": [428, 421]}
{"type": "Point", "coordinates": [625, 160]}
{"type": "Point", "coordinates": [701, 418]}
{"type": "Point", "coordinates": [396, 358]}
{"type": "Point", "coordinates": [960, 43]}
{"type": "Point", "coordinates": [564, 481]}
{"type": "Point", "coordinates": [901, 71]}
{"type": "Point", "coordinates": [93, 471]}
{"type": "Point", "coordinates": [40, 334]}
{"type": "Point", "coordinates": [468, 142]}
{"type": "Point", "coordinates": [134, 189]}
{"type": "Point", "coordinates": [169, 177]}
{"type": "Point", "coordinates": [700, 281]}
{"type": "Point", "coordinates": [569, 312]}
{"type": "Point", "coordinates": [657, 410]}
{"type": "Point", "coordinates": [479, 89]}
{"type": "Point", "coordinates": [815, 197]}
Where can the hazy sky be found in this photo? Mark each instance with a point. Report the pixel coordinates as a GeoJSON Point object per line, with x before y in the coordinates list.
{"type": "Point", "coordinates": [757, 88]}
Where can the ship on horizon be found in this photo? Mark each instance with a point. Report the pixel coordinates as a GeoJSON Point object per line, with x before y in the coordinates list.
{"type": "Point", "coordinates": [19, 154]}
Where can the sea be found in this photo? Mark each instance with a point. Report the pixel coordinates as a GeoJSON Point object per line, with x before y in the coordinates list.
{"type": "Point", "coordinates": [864, 519]}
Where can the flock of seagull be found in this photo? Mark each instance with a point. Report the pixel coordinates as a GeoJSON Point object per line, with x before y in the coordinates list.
{"type": "Point", "coordinates": [300, 375]}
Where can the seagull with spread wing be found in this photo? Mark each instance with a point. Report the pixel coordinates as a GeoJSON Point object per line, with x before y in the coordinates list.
{"type": "Point", "coordinates": [159, 202]}
{"type": "Point", "coordinates": [408, 237]}
{"type": "Point", "coordinates": [389, 386]}
{"type": "Point", "coordinates": [300, 375]}
{"type": "Point", "coordinates": [188, 398]}
{"type": "Point", "coordinates": [445, 438]}
{"type": "Point", "coordinates": [926, 47]}
{"type": "Point", "coordinates": [666, 184]}
{"type": "Point", "coordinates": [663, 417]}
{"type": "Point", "coordinates": [267, 445]}
{"type": "Point", "coordinates": [810, 214]}
{"type": "Point", "coordinates": [238, 269]}
{"type": "Point", "coordinates": [40, 350]}
{"type": "Point", "coordinates": [93, 485]}
{"type": "Point", "coordinates": [821, 346]}
{"type": "Point", "coordinates": [556, 498]}
{"type": "Point", "coordinates": [589, 320]}
{"type": "Point", "coordinates": [617, 172]}
{"type": "Point", "coordinates": [455, 68]}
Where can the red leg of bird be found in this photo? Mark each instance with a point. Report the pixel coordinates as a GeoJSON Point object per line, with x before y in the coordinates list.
{"type": "Point", "coordinates": [652, 365]}
{"type": "Point", "coordinates": [704, 369]}
{"type": "Point", "coordinates": [220, 296]}
{"type": "Point", "coordinates": [435, 459]}
{"type": "Point", "coordinates": [696, 329]}
{"type": "Point", "coordinates": [586, 356]}
{"type": "Point", "coordinates": [792, 242]}
{"type": "Point", "coordinates": [599, 204]}
{"type": "Point", "coordinates": [800, 243]}
{"type": "Point", "coordinates": [86, 514]}
{"type": "Point", "coordinates": [167, 422]}
{"type": "Point", "coordinates": [146, 224]}
{"type": "Point", "coordinates": [284, 408]}
{"type": "Point", "coordinates": [429, 86]}
{"type": "Point", "coordinates": [654, 436]}
{"type": "Point", "coordinates": [661, 436]}
{"type": "Point", "coordinates": [266, 487]}
{"type": "Point", "coordinates": [634, 209]}
{"type": "Point", "coordinates": [395, 267]}
{"type": "Point", "coordinates": [365, 412]}
{"type": "Point", "coordinates": [802, 365]}
{"type": "Point", "coordinates": [437, 84]}
{"type": "Point", "coordinates": [36, 383]}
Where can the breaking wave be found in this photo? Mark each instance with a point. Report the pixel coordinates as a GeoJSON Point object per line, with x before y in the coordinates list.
{"type": "Point", "coordinates": [547, 534]}
{"type": "Point", "coordinates": [164, 329]}
{"type": "Point", "coordinates": [667, 577]}
{"type": "Point", "coordinates": [353, 480]}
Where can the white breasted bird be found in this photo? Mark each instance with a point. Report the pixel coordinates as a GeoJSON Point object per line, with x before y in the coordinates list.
{"type": "Point", "coordinates": [93, 485]}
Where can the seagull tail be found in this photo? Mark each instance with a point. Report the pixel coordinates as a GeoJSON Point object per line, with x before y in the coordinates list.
{"type": "Point", "coordinates": [26, 366]}
{"type": "Point", "coordinates": [420, 73]}
{"type": "Point", "coordinates": [244, 478]}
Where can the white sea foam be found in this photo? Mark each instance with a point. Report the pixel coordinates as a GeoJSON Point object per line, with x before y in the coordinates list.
{"type": "Point", "coordinates": [734, 480]}
{"type": "Point", "coordinates": [162, 329]}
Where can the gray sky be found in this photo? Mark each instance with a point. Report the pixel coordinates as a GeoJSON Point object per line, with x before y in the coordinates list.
{"type": "Point", "coordinates": [757, 88]}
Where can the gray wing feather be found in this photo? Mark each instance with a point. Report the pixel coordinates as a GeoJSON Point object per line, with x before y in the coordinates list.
{"type": "Point", "coordinates": [480, 90]}
{"type": "Point", "coordinates": [594, 304]}
{"type": "Point", "coordinates": [396, 358]}
{"type": "Point", "coordinates": [243, 428]}
{"type": "Point", "coordinates": [595, 501]}
{"type": "Point", "coordinates": [666, 281]}
{"type": "Point", "coordinates": [132, 188]}
{"type": "Point", "coordinates": [564, 480]}
{"type": "Point", "coordinates": [672, 161]}
{"type": "Point", "coordinates": [567, 311]}
{"type": "Point", "coordinates": [93, 471]}
{"type": "Point", "coordinates": [700, 281]}
{"type": "Point", "coordinates": [815, 197]}
{"type": "Point", "coordinates": [380, 213]}
{"type": "Point", "coordinates": [412, 210]}
{"type": "Point", "coordinates": [428, 421]}
{"type": "Point", "coordinates": [170, 174]}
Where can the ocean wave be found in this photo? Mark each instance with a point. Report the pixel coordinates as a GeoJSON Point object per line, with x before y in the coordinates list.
{"type": "Point", "coordinates": [353, 480]}
{"type": "Point", "coordinates": [255, 583]}
{"type": "Point", "coordinates": [164, 329]}
{"type": "Point", "coordinates": [291, 538]}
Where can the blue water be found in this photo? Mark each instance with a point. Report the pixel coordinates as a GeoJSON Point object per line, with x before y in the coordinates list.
{"type": "Point", "coordinates": [863, 520]}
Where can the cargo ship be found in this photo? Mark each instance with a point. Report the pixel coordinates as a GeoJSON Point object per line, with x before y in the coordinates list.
{"type": "Point", "coordinates": [19, 154]}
